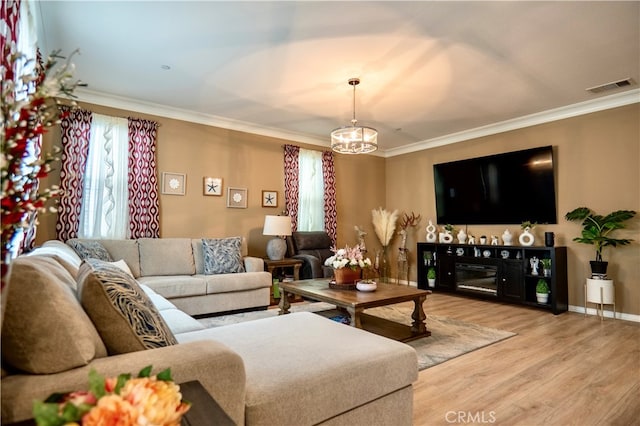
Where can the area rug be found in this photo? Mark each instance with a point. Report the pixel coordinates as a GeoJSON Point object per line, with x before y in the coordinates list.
{"type": "Point", "coordinates": [449, 338]}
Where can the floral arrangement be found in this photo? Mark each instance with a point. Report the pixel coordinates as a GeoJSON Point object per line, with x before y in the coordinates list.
{"type": "Point", "coordinates": [123, 401]}
{"type": "Point", "coordinates": [28, 107]}
{"type": "Point", "coordinates": [351, 257]}
{"type": "Point", "coordinates": [384, 223]}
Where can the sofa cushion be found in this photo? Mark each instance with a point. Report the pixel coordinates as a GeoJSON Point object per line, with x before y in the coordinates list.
{"type": "Point", "coordinates": [179, 322]}
{"type": "Point", "coordinates": [122, 265]}
{"type": "Point", "coordinates": [122, 312]}
{"type": "Point", "coordinates": [126, 250]}
{"type": "Point", "coordinates": [62, 253]}
{"type": "Point", "coordinates": [176, 285]}
{"type": "Point", "coordinates": [158, 301]}
{"type": "Point", "coordinates": [222, 283]}
{"type": "Point", "coordinates": [45, 330]}
{"type": "Point", "coordinates": [166, 256]}
{"type": "Point", "coordinates": [90, 249]}
{"type": "Point", "coordinates": [222, 255]}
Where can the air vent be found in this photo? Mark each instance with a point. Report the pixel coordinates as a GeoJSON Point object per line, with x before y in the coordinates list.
{"type": "Point", "coordinates": [610, 86]}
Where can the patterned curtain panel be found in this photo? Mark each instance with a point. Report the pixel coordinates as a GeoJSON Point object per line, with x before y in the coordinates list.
{"type": "Point", "coordinates": [76, 129]}
{"type": "Point", "coordinates": [144, 210]}
{"type": "Point", "coordinates": [9, 16]}
{"type": "Point", "coordinates": [291, 171]}
{"type": "Point", "coordinates": [330, 211]}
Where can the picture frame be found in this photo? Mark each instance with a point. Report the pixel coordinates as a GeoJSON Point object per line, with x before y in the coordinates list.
{"type": "Point", "coordinates": [237, 198]}
{"type": "Point", "coordinates": [174, 183]}
{"type": "Point", "coordinates": [269, 198]}
{"type": "Point", "coordinates": [212, 186]}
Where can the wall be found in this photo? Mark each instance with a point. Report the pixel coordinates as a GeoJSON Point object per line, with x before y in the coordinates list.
{"type": "Point", "coordinates": [242, 160]}
{"type": "Point", "coordinates": [597, 165]}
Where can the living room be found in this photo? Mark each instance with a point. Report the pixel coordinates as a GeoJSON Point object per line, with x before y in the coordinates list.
{"type": "Point", "coordinates": [597, 157]}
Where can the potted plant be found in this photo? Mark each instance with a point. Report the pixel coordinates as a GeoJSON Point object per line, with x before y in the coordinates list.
{"type": "Point", "coordinates": [546, 267]}
{"type": "Point", "coordinates": [431, 277]}
{"type": "Point", "coordinates": [542, 291]}
{"type": "Point", "coordinates": [597, 229]}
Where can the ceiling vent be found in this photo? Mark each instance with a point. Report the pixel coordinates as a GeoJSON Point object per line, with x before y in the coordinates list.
{"type": "Point", "coordinates": [610, 86]}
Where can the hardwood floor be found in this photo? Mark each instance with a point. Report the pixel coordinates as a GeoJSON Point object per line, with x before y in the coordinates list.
{"type": "Point", "coordinates": [559, 370]}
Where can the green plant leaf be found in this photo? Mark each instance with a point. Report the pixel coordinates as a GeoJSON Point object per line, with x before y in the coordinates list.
{"type": "Point", "coordinates": [122, 379]}
{"type": "Point", "coordinates": [96, 384]}
{"type": "Point", "coordinates": [145, 372]}
{"type": "Point", "coordinates": [165, 375]}
{"type": "Point", "coordinates": [46, 414]}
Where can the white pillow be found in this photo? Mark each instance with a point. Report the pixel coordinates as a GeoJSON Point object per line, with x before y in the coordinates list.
{"type": "Point", "coordinates": [122, 265]}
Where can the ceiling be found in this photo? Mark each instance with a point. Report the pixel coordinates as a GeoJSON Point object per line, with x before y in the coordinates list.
{"type": "Point", "coordinates": [431, 72]}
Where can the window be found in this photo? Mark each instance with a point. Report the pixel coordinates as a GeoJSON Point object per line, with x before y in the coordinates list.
{"type": "Point", "coordinates": [104, 211]}
{"type": "Point", "coordinates": [311, 191]}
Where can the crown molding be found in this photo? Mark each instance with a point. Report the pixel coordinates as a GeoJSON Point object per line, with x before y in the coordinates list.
{"type": "Point", "coordinates": [574, 110]}
{"type": "Point", "coordinates": [587, 107]}
{"type": "Point", "coordinates": [128, 104]}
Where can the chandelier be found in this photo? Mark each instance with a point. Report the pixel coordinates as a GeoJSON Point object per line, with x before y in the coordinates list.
{"type": "Point", "coordinates": [354, 139]}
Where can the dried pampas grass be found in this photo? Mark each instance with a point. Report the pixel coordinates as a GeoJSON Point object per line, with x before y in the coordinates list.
{"type": "Point", "coordinates": [384, 223]}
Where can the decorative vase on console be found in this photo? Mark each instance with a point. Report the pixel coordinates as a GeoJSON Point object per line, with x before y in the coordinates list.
{"type": "Point", "coordinates": [526, 238]}
{"type": "Point", "coordinates": [507, 238]}
{"type": "Point", "coordinates": [384, 224]}
{"type": "Point", "coordinates": [462, 236]}
{"type": "Point", "coordinates": [431, 233]}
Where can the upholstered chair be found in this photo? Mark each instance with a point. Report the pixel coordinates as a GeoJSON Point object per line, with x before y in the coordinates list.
{"type": "Point", "coordinates": [313, 248]}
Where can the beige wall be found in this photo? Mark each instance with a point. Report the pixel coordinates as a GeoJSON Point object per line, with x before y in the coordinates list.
{"type": "Point", "coordinates": [597, 160]}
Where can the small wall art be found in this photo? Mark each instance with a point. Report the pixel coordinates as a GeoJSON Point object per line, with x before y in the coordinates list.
{"type": "Point", "coordinates": [173, 183]}
{"type": "Point", "coordinates": [269, 198]}
{"type": "Point", "coordinates": [212, 186]}
{"type": "Point", "coordinates": [237, 198]}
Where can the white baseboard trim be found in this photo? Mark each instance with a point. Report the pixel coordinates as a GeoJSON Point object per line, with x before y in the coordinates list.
{"type": "Point", "coordinates": [607, 313]}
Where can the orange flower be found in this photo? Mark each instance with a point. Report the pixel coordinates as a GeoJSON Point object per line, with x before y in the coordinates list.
{"type": "Point", "coordinates": [159, 402]}
{"type": "Point", "coordinates": [111, 410]}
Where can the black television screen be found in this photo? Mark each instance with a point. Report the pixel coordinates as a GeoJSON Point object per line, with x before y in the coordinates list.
{"type": "Point", "coordinates": [507, 188]}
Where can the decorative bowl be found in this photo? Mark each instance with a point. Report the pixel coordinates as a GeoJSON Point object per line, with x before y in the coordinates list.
{"type": "Point", "coordinates": [366, 285]}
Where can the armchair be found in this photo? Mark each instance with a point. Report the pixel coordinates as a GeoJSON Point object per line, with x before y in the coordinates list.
{"type": "Point", "coordinates": [313, 248]}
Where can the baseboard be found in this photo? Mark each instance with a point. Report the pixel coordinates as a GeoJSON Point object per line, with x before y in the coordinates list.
{"type": "Point", "coordinates": [607, 313]}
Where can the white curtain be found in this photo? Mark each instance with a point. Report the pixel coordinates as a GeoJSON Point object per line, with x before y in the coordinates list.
{"type": "Point", "coordinates": [311, 191]}
{"type": "Point", "coordinates": [105, 212]}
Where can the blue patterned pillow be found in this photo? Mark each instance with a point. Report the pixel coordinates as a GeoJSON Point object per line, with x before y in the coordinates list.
{"type": "Point", "coordinates": [222, 255]}
{"type": "Point", "coordinates": [90, 249]}
{"type": "Point", "coordinates": [121, 311]}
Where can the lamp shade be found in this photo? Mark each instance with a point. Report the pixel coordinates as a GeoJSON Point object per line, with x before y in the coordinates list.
{"type": "Point", "coordinates": [277, 225]}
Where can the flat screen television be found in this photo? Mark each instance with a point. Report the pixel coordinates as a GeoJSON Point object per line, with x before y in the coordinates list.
{"type": "Point", "coordinates": [507, 188]}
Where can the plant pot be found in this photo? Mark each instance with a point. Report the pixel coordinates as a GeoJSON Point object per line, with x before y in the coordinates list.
{"type": "Point", "coordinates": [346, 278]}
{"type": "Point", "coordinates": [598, 268]}
{"type": "Point", "coordinates": [432, 282]}
{"type": "Point", "coordinates": [596, 295]}
{"type": "Point", "coordinates": [542, 298]}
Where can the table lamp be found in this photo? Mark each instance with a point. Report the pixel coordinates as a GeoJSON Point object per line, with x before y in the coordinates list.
{"type": "Point", "coordinates": [279, 227]}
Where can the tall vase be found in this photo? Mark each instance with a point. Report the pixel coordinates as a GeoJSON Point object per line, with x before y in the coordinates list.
{"type": "Point", "coordinates": [384, 265]}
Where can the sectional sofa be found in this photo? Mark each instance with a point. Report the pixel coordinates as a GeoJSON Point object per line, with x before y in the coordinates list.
{"type": "Point", "coordinates": [175, 268]}
{"type": "Point", "coordinates": [300, 369]}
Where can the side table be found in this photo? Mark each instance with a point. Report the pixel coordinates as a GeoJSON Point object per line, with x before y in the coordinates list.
{"type": "Point", "coordinates": [275, 266]}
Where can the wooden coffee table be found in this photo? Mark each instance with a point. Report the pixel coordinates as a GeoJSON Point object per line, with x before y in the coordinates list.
{"type": "Point", "coordinates": [355, 302]}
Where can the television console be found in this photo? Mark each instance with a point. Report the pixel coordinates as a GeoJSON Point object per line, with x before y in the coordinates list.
{"type": "Point", "coordinates": [495, 272]}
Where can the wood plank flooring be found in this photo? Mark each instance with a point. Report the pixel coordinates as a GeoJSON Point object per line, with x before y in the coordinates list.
{"type": "Point", "coordinates": [559, 370]}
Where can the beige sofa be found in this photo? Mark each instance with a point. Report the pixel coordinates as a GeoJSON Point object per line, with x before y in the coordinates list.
{"type": "Point", "coordinates": [174, 268]}
{"type": "Point", "coordinates": [297, 369]}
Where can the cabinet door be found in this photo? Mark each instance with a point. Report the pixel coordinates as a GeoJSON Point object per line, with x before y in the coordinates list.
{"type": "Point", "coordinates": [510, 281]}
{"type": "Point", "coordinates": [446, 272]}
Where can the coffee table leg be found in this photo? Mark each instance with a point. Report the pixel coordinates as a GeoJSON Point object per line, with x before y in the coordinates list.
{"type": "Point", "coordinates": [354, 315]}
{"type": "Point", "coordinates": [418, 326]}
{"type": "Point", "coordinates": [284, 304]}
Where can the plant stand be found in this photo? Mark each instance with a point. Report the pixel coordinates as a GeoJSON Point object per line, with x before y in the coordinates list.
{"type": "Point", "coordinates": [600, 292]}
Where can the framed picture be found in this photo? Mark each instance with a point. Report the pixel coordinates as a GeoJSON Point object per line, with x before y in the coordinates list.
{"type": "Point", "coordinates": [173, 183]}
{"type": "Point", "coordinates": [269, 198]}
{"type": "Point", "coordinates": [237, 198]}
{"type": "Point", "coordinates": [212, 186]}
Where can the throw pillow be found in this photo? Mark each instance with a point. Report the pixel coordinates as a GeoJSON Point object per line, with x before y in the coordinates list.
{"type": "Point", "coordinates": [222, 255]}
{"type": "Point", "coordinates": [124, 315]}
{"type": "Point", "coordinates": [122, 265]}
{"type": "Point", "coordinates": [45, 330]}
{"type": "Point", "coordinates": [90, 249]}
